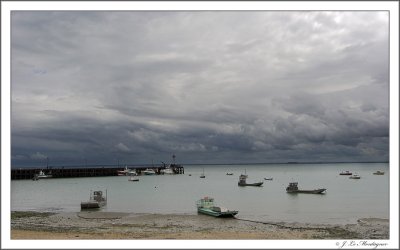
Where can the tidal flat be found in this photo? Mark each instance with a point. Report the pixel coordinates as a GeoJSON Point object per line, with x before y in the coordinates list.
{"type": "Point", "coordinates": [114, 225]}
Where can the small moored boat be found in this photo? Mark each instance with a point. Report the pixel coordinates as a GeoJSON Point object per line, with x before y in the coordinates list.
{"type": "Point", "coordinates": [268, 179]}
{"type": "Point", "coordinates": [379, 173]}
{"type": "Point", "coordinates": [42, 175]}
{"type": "Point", "coordinates": [242, 182]}
{"type": "Point", "coordinates": [355, 176]}
{"type": "Point", "coordinates": [229, 173]}
{"type": "Point", "coordinates": [149, 171]}
{"type": "Point", "coordinates": [206, 206]}
{"type": "Point", "coordinates": [167, 170]}
{"type": "Point", "coordinates": [97, 200]}
{"type": "Point", "coordinates": [346, 173]}
{"type": "Point", "coordinates": [293, 188]}
{"type": "Point", "coordinates": [133, 178]}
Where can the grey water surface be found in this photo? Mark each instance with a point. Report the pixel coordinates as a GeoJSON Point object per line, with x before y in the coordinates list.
{"type": "Point", "coordinates": [345, 200]}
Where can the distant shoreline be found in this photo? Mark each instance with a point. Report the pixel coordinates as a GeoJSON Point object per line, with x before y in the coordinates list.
{"type": "Point", "coordinates": [184, 164]}
{"type": "Point", "coordinates": [111, 225]}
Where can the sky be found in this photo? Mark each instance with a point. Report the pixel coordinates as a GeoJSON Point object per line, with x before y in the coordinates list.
{"type": "Point", "coordinates": [208, 86]}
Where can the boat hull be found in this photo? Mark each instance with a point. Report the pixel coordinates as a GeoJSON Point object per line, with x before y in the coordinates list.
{"type": "Point", "coordinates": [315, 191]}
{"type": "Point", "coordinates": [257, 184]}
{"type": "Point", "coordinates": [210, 212]}
{"type": "Point", "coordinates": [91, 205]}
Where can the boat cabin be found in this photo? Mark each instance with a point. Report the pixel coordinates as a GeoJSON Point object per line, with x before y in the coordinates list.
{"type": "Point", "coordinates": [96, 200]}
{"type": "Point", "coordinates": [242, 179]}
{"type": "Point", "coordinates": [98, 196]}
{"type": "Point", "coordinates": [206, 202]}
{"type": "Point", "coordinates": [293, 186]}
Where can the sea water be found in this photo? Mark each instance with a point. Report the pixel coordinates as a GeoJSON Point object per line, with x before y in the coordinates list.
{"type": "Point", "coordinates": [345, 200]}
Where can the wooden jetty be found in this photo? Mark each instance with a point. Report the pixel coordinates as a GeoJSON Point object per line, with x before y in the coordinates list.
{"type": "Point", "coordinates": [73, 172]}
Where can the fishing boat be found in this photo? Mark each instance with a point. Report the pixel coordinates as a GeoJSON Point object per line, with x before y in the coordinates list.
{"type": "Point", "coordinates": [355, 176]}
{"type": "Point", "coordinates": [149, 171]}
{"type": "Point", "coordinates": [242, 181]}
{"type": "Point", "coordinates": [379, 173]}
{"type": "Point", "coordinates": [132, 172]}
{"type": "Point", "coordinates": [97, 200]}
{"type": "Point", "coordinates": [293, 188]}
{"type": "Point", "coordinates": [167, 170]}
{"type": "Point", "coordinates": [171, 168]}
{"type": "Point", "coordinates": [206, 206]}
{"type": "Point", "coordinates": [133, 178]}
{"type": "Point", "coordinates": [346, 173]}
{"type": "Point", "coordinates": [126, 171]}
{"type": "Point", "coordinates": [41, 175]}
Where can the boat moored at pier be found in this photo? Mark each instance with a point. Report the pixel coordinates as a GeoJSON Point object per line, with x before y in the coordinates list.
{"type": "Point", "coordinates": [149, 171]}
{"type": "Point", "coordinates": [42, 175]}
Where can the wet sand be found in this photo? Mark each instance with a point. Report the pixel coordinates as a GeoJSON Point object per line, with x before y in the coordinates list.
{"type": "Point", "coordinates": [109, 225]}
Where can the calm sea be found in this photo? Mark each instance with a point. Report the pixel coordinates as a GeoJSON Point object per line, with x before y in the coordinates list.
{"type": "Point", "coordinates": [345, 200]}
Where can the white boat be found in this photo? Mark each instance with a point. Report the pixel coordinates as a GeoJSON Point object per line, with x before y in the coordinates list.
{"type": "Point", "coordinates": [126, 172]}
{"type": "Point", "coordinates": [355, 176]}
{"type": "Point", "coordinates": [42, 175]}
{"type": "Point", "coordinates": [133, 178]}
{"type": "Point", "coordinates": [167, 170]}
{"type": "Point", "coordinates": [345, 173]}
{"type": "Point", "coordinates": [132, 172]}
{"type": "Point", "coordinates": [123, 172]}
{"type": "Point", "coordinates": [149, 171]}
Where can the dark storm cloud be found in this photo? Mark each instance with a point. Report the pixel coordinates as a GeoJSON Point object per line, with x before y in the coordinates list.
{"type": "Point", "coordinates": [133, 87]}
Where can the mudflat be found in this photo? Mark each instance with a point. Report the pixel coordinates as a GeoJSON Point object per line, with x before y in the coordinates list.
{"type": "Point", "coordinates": [111, 225]}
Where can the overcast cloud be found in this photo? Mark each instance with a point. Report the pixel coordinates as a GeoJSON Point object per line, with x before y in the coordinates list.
{"type": "Point", "coordinates": [210, 87]}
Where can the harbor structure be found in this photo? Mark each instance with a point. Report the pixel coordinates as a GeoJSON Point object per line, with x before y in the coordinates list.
{"type": "Point", "coordinates": [73, 172]}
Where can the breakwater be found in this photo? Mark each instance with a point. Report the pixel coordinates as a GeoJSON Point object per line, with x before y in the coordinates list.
{"type": "Point", "coordinates": [65, 172]}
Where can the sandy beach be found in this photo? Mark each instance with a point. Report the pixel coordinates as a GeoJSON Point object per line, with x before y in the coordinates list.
{"type": "Point", "coordinates": [111, 225]}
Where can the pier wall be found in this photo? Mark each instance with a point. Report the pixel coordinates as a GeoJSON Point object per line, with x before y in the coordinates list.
{"type": "Point", "coordinates": [64, 172]}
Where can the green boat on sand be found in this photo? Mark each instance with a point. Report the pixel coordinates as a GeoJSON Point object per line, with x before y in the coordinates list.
{"type": "Point", "coordinates": [206, 206]}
